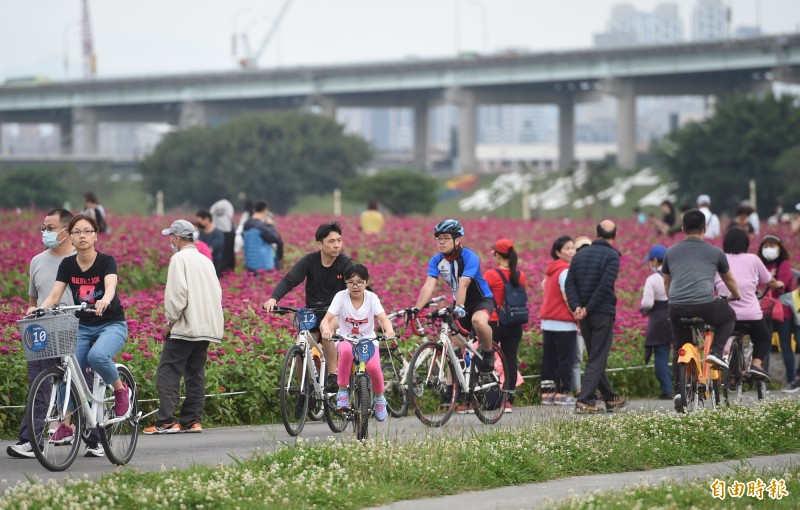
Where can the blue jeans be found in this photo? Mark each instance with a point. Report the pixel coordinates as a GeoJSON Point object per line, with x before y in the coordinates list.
{"type": "Point", "coordinates": [98, 344]}
{"type": "Point", "coordinates": [661, 365]}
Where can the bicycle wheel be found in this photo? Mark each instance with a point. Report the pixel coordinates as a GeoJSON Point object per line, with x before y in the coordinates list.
{"type": "Point", "coordinates": [688, 382]}
{"type": "Point", "coordinates": [486, 391]}
{"type": "Point", "coordinates": [119, 438]}
{"type": "Point", "coordinates": [361, 405]}
{"type": "Point", "coordinates": [42, 412]}
{"type": "Point", "coordinates": [732, 377]}
{"type": "Point", "coordinates": [294, 401]}
{"type": "Point", "coordinates": [336, 420]}
{"type": "Point", "coordinates": [432, 385]}
{"type": "Point", "coordinates": [394, 388]}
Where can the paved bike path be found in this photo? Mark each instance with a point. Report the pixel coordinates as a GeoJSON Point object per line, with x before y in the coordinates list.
{"type": "Point", "coordinates": [547, 494]}
{"type": "Point", "coordinates": [225, 445]}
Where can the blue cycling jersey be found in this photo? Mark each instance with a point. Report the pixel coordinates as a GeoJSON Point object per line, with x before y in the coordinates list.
{"type": "Point", "coordinates": [468, 264]}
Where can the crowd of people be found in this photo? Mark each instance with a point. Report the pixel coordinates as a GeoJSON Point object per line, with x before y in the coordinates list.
{"type": "Point", "coordinates": [576, 317]}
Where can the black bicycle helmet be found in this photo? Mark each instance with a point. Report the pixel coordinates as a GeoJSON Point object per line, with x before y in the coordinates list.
{"type": "Point", "coordinates": [452, 227]}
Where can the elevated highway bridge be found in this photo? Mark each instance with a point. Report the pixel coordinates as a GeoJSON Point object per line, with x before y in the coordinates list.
{"type": "Point", "coordinates": [563, 78]}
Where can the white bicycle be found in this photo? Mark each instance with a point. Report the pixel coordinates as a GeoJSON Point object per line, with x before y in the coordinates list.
{"type": "Point", "coordinates": [61, 392]}
{"type": "Point", "coordinates": [395, 363]}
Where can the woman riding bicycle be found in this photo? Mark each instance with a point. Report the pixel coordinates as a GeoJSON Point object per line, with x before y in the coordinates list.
{"type": "Point", "coordinates": [91, 277]}
{"type": "Point", "coordinates": [356, 310]}
{"type": "Point", "coordinates": [749, 272]}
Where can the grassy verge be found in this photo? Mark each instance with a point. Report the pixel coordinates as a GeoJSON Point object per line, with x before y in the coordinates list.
{"type": "Point", "coordinates": [347, 474]}
{"type": "Point", "coordinates": [768, 489]}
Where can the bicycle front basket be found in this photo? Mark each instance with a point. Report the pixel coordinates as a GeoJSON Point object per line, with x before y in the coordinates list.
{"type": "Point", "coordinates": [51, 336]}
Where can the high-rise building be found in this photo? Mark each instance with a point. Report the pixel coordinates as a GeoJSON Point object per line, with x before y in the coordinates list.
{"type": "Point", "coordinates": [710, 20]}
{"type": "Point", "coordinates": [630, 27]}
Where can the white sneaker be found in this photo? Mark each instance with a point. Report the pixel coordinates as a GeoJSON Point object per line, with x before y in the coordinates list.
{"type": "Point", "coordinates": [94, 450]}
{"type": "Point", "coordinates": [21, 450]}
{"type": "Point", "coordinates": [715, 360]}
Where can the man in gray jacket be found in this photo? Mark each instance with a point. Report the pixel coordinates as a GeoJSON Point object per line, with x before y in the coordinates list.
{"type": "Point", "coordinates": [193, 305]}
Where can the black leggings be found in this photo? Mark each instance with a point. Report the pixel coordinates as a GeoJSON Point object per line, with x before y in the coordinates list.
{"type": "Point", "coordinates": [759, 335]}
{"type": "Point", "coordinates": [508, 338]}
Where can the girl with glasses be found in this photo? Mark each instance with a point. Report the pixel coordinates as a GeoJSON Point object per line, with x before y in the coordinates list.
{"type": "Point", "coordinates": [356, 310]}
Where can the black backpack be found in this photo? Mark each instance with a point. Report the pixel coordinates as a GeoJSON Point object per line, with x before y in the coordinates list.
{"type": "Point", "coordinates": [102, 224]}
{"type": "Point", "coordinates": [514, 311]}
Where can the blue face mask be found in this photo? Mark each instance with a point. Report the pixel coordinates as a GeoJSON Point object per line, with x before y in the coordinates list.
{"type": "Point", "coordinates": [50, 239]}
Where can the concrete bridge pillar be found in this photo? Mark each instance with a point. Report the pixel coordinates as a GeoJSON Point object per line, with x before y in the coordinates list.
{"type": "Point", "coordinates": [192, 114]}
{"type": "Point", "coordinates": [467, 128]}
{"type": "Point", "coordinates": [421, 135]}
{"type": "Point", "coordinates": [626, 124]}
{"type": "Point", "coordinates": [87, 119]}
{"type": "Point", "coordinates": [566, 132]}
{"type": "Point", "coordinates": [66, 134]}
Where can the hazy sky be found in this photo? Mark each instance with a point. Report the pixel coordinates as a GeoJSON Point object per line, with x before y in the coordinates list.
{"type": "Point", "coordinates": [138, 37]}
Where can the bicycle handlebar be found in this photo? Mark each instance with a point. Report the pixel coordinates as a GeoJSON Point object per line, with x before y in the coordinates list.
{"type": "Point", "coordinates": [447, 315]}
{"type": "Point", "coordinates": [355, 339]}
{"type": "Point", "coordinates": [403, 311]}
{"type": "Point", "coordinates": [283, 310]}
{"type": "Point", "coordinates": [60, 308]}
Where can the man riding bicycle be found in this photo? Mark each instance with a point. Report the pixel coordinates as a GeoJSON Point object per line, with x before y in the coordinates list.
{"type": "Point", "coordinates": [460, 268]}
{"type": "Point", "coordinates": [689, 268]}
{"type": "Point", "coordinates": [323, 272]}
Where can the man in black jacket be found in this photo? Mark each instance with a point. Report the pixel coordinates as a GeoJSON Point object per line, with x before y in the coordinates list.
{"type": "Point", "coordinates": [323, 272]}
{"type": "Point", "coordinates": [590, 292]}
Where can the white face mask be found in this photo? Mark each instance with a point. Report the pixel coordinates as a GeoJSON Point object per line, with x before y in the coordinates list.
{"type": "Point", "coordinates": [770, 253]}
{"type": "Point", "coordinates": [50, 239]}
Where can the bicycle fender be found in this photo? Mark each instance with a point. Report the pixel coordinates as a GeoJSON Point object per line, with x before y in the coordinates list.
{"type": "Point", "coordinates": [690, 353]}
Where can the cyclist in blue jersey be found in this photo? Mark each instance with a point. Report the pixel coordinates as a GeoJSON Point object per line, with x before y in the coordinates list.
{"type": "Point", "coordinates": [460, 268]}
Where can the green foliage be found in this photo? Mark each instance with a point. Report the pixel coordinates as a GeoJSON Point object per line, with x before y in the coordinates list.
{"type": "Point", "coordinates": [400, 190]}
{"type": "Point", "coordinates": [741, 141]}
{"type": "Point", "coordinates": [31, 187]}
{"type": "Point", "coordinates": [347, 474]}
{"type": "Point", "coordinates": [279, 156]}
{"type": "Point", "coordinates": [786, 170]}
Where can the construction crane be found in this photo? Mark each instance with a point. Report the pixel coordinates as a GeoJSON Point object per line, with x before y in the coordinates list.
{"type": "Point", "coordinates": [251, 60]}
{"type": "Point", "coordinates": [89, 58]}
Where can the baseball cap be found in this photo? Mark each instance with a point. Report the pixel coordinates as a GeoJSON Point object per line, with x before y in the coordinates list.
{"type": "Point", "coordinates": [180, 228]}
{"type": "Point", "coordinates": [503, 246]}
{"type": "Point", "coordinates": [797, 206]}
{"type": "Point", "coordinates": [582, 241]}
{"type": "Point", "coordinates": [656, 252]}
{"type": "Point", "coordinates": [703, 199]}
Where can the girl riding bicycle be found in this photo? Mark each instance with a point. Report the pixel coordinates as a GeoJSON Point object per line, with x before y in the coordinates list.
{"type": "Point", "coordinates": [749, 273]}
{"type": "Point", "coordinates": [356, 310]}
{"type": "Point", "coordinates": [91, 277]}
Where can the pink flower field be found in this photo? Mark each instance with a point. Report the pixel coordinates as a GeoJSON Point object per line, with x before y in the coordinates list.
{"type": "Point", "coordinates": [250, 356]}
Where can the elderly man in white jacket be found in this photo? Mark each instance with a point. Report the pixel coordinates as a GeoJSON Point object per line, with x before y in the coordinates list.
{"type": "Point", "coordinates": [193, 304]}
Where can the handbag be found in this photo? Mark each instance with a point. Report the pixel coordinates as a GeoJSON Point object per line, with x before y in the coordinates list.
{"type": "Point", "coordinates": [772, 308]}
